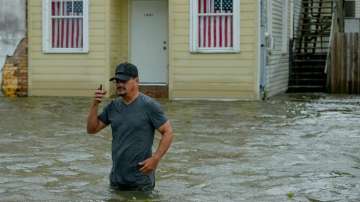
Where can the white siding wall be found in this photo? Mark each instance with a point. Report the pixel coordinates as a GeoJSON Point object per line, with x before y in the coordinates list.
{"type": "Point", "coordinates": [357, 8]}
{"type": "Point", "coordinates": [69, 74]}
{"type": "Point", "coordinates": [352, 25]}
{"type": "Point", "coordinates": [213, 76]}
{"type": "Point", "coordinates": [277, 61]}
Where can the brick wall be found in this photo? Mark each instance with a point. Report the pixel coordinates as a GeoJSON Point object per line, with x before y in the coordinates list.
{"type": "Point", "coordinates": [155, 91]}
{"type": "Point", "coordinates": [15, 72]}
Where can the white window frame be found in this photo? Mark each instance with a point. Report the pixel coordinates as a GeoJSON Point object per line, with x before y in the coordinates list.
{"type": "Point", "coordinates": [46, 8]}
{"type": "Point", "coordinates": [194, 30]}
{"type": "Point", "coordinates": [285, 26]}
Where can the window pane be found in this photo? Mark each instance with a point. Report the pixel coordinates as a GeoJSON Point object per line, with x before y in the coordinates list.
{"type": "Point", "coordinates": [67, 33]}
{"type": "Point", "coordinates": [349, 7]}
{"type": "Point", "coordinates": [66, 8]}
{"type": "Point", "coordinates": [61, 8]}
{"type": "Point", "coordinates": [78, 8]}
{"type": "Point", "coordinates": [227, 6]}
{"type": "Point", "coordinates": [215, 6]}
{"type": "Point", "coordinates": [215, 32]}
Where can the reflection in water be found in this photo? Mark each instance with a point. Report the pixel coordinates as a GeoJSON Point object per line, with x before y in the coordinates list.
{"type": "Point", "coordinates": [299, 147]}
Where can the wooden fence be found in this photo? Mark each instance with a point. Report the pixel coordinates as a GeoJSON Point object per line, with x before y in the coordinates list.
{"type": "Point", "coordinates": [344, 68]}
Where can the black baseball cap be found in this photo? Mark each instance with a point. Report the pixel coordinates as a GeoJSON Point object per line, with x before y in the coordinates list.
{"type": "Point", "coordinates": [125, 71]}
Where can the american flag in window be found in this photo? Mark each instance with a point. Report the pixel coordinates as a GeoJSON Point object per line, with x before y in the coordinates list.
{"type": "Point", "coordinates": [67, 23]}
{"type": "Point", "coordinates": [215, 24]}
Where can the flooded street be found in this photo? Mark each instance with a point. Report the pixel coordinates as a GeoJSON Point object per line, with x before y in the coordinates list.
{"type": "Point", "coordinates": [289, 148]}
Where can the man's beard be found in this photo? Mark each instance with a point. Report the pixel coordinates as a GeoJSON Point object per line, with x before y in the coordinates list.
{"type": "Point", "coordinates": [121, 92]}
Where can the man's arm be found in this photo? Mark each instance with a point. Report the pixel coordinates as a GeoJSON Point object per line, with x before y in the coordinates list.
{"type": "Point", "coordinates": [166, 139]}
{"type": "Point", "coordinates": [151, 163]}
{"type": "Point", "coordinates": [94, 125]}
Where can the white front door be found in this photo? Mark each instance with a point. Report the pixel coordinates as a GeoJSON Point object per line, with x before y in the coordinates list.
{"type": "Point", "coordinates": [149, 40]}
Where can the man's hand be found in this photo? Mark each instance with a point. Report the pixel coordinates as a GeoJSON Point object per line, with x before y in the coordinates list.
{"type": "Point", "coordinates": [99, 94]}
{"type": "Point", "coordinates": [94, 125]}
{"type": "Point", "coordinates": [149, 165]}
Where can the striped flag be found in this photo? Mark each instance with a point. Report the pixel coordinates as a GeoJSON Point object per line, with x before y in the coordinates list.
{"type": "Point", "coordinates": [67, 23]}
{"type": "Point", "coordinates": [215, 23]}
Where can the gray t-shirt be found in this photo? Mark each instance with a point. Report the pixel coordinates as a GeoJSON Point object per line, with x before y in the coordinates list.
{"type": "Point", "coordinates": [133, 127]}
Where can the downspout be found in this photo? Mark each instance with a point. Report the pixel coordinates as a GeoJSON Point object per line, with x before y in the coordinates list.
{"type": "Point", "coordinates": [262, 47]}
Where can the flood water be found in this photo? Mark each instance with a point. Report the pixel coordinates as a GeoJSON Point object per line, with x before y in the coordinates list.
{"type": "Point", "coordinates": [289, 148]}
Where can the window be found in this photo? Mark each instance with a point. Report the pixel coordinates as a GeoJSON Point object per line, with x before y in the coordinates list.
{"type": "Point", "coordinates": [65, 26]}
{"type": "Point", "coordinates": [349, 7]}
{"type": "Point", "coordinates": [215, 26]}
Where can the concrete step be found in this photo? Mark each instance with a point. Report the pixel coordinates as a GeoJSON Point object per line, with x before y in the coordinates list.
{"type": "Point", "coordinates": [305, 88]}
{"type": "Point", "coordinates": [307, 81]}
{"type": "Point", "coordinates": [310, 55]}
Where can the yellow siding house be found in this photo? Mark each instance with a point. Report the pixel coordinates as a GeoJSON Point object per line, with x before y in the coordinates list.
{"type": "Point", "coordinates": [198, 49]}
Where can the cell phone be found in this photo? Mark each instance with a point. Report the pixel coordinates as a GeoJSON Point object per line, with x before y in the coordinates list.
{"type": "Point", "coordinates": [100, 88]}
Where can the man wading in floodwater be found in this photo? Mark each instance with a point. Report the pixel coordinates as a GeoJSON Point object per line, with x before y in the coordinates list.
{"type": "Point", "coordinates": [133, 118]}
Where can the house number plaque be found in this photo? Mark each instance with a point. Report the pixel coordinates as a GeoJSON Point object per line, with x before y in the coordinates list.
{"type": "Point", "coordinates": [148, 14]}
